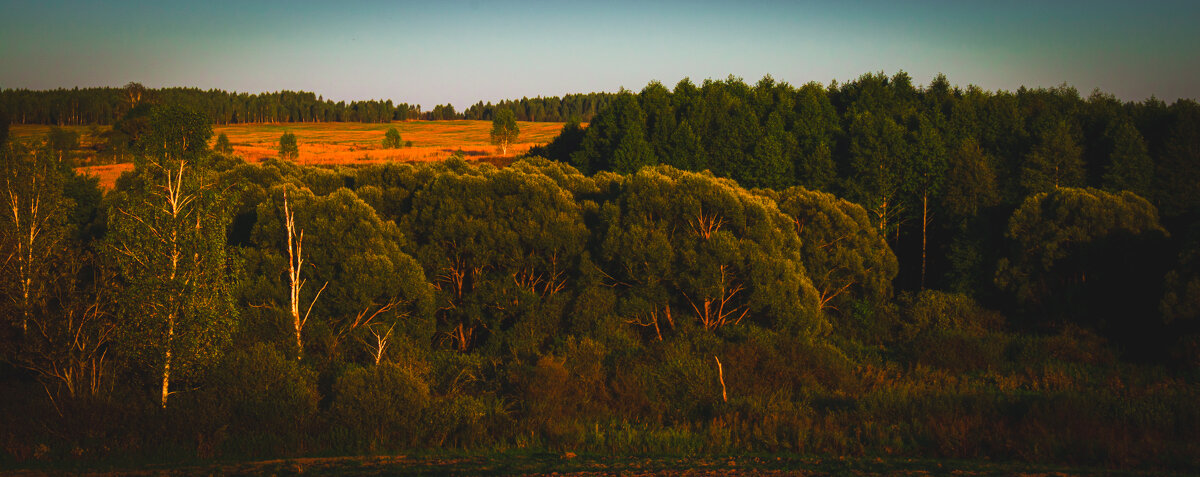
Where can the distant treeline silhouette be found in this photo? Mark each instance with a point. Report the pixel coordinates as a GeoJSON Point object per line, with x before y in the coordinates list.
{"type": "Point", "coordinates": [85, 106]}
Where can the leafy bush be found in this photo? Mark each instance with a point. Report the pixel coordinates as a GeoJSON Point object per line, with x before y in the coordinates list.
{"type": "Point", "coordinates": [380, 407]}
{"type": "Point", "coordinates": [265, 401]}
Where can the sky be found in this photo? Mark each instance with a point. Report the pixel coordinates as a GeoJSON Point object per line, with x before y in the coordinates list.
{"type": "Point", "coordinates": [461, 52]}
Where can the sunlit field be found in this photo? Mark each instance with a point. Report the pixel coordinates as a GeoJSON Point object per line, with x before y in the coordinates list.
{"type": "Point", "coordinates": [332, 143]}
{"type": "Point", "coordinates": [348, 143]}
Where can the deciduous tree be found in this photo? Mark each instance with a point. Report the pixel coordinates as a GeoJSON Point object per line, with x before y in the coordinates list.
{"type": "Point", "coordinates": [287, 146]}
{"type": "Point", "coordinates": [167, 237]}
{"type": "Point", "coordinates": [688, 250]}
{"type": "Point", "coordinates": [223, 146]}
{"type": "Point", "coordinates": [391, 139]}
{"type": "Point", "coordinates": [504, 130]}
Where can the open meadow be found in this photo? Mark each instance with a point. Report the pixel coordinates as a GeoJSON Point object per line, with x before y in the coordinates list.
{"type": "Point", "coordinates": [331, 143]}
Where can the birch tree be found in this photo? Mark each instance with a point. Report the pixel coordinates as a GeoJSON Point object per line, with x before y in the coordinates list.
{"type": "Point", "coordinates": [167, 237]}
{"type": "Point", "coordinates": [34, 226]}
{"type": "Point", "coordinates": [504, 130]}
{"type": "Point", "coordinates": [367, 283]}
{"type": "Point", "coordinates": [295, 248]}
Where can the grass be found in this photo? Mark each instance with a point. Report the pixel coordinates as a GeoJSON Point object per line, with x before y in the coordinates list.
{"type": "Point", "coordinates": [332, 143]}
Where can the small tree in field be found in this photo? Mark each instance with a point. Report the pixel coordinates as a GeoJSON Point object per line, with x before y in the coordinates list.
{"type": "Point", "coordinates": [504, 129]}
{"type": "Point", "coordinates": [223, 146]}
{"type": "Point", "coordinates": [287, 146]}
{"type": "Point", "coordinates": [391, 139]}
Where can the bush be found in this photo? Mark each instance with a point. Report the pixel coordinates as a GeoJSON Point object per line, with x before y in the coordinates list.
{"type": "Point", "coordinates": [380, 407]}
{"type": "Point", "coordinates": [936, 310]}
{"type": "Point", "coordinates": [263, 401]}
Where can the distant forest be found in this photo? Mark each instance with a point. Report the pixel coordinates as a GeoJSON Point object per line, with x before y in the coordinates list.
{"type": "Point", "coordinates": [87, 106]}
{"type": "Point", "coordinates": [939, 168]}
{"type": "Point", "coordinates": [865, 269]}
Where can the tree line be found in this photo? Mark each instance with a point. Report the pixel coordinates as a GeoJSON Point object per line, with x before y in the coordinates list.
{"type": "Point", "coordinates": [940, 169]}
{"type": "Point", "coordinates": [105, 106]}
{"type": "Point", "coordinates": [210, 307]}
{"type": "Point", "coordinates": [578, 107]}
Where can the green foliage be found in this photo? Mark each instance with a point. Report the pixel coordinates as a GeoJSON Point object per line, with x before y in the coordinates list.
{"type": "Point", "coordinates": [175, 133]}
{"type": "Point", "coordinates": [536, 307]}
{"type": "Point", "coordinates": [391, 139]}
{"type": "Point", "coordinates": [265, 401]}
{"type": "Point", "coordinates": [166, 235]}
{"type": "Point", "coordinates": [35, 233]}
{"type": "Point", "coordinates": [370, 284]}
{"type": "Point", "coordinates": [690, 251]}
{"type": "Point", "coordinates": [615, 139]}
{"type": "Point", "coordinates": [499, 247]}
{"type": "Point", "coordinates": [936, 311]}
{"type": "Point", "coordinates": [62, 142]}
{"type": "Point", "coordinates": [504, 130]}
{"type": "Point", "coordinates": [287, 146]}
{"type": "Point", "coordinates": [381, 407]}
{"type": "Point", "coordinates": [1130, 167]}
{"type": "Point", "coordinates": [223, 146]}
{"type": "Point", "coordinates": [1056, 161]}
{"type": "Point", "coordinates": [841, 249]}
{"type": "Point", "coordinates": [815, 126]}
{"type": "Point", "coordinates": [1059, 239]}
{"type": "Point", "coordinates": [568, 140]}
{"type": "Point", "coordinates": [877, 148]}
{"type": "Point", "coordinates": [1177, 172]}
{"type": "Point", "coordinates": [970, 181]}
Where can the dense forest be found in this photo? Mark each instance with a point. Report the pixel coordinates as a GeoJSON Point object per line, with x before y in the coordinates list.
{"type": "Point", "coordinates": [940, 171]}
{"type": "Point", "coordinates": [870, 268]}
{"type": "Point", "coordinates": [87, 106]}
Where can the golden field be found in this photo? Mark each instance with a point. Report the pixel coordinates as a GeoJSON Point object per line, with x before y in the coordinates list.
{"type": "Point", "coordinates": [335, 143]}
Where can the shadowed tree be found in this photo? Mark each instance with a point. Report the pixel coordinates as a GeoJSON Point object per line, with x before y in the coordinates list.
{"type": "Point", "coordinates": [924, 178]}
{"type": "Point", "coordinates": [567, 142]}
{"type": "Point", "coordinates": [1056, 161]}
{"type": "Point", "coordinates": [1177, 178]}
{"type": "Point", "coordinates": [615, 140]}
{"type": "Point", "coordinates": [877, 150]}
{"type": "Point", "coordinates": [3, 127]}
{"type": "Point", "coordinates": [63, 142]}
{"type": "Point", "coordinates": [1130, 167]}
{"type": "Point", "coordinates": [816, 123]}
{"type": "Point", "coordinates": [1084, 254]}
{"type": "Point", "coordinates": [970, 189]}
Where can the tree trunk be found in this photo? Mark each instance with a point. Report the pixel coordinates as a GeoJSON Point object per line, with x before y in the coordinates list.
{"type": "Point", "coordinates": [924, 233]}
{"type": "Point", "coordinates": [166, 375]}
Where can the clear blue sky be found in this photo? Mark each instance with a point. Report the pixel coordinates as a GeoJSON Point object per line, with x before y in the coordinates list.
{"type": "Point", "coordinates": [433, 52]}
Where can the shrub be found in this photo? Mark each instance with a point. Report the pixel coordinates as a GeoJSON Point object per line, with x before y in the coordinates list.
{"type": "Point", "coordinates": [380, 407]}
{"type": "Point", "coordinates": [264, 402]}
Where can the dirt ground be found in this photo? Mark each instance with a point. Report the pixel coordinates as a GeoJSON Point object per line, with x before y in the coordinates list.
{"type": "Point", "coordinates": [567, 464]}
